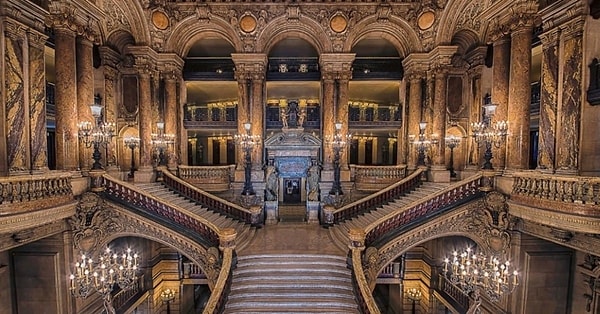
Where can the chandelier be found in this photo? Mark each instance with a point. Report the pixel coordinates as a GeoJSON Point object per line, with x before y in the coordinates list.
{"type": "Point", "coordinates": [422, 143]}
{"type": "Point", "coordinates": [101, 275]}
{"type": "Point", "coordinates": [97, 133]}
{"type": "Point", "coordinates": [247, 141]}
{"type": "Point", "coordinates": [161, 142]}
{"type": "Point", "coordinates": [478, 273]}
{"type": "Point", "coordinates": [489, 133]}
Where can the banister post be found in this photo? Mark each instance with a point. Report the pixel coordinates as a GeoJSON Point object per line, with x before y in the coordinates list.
{"type": "Point", "coordinates": [327, 217]}
{"type": "Point", "coordinates": [96, 182]}
{"type": "Point", "coordinates": [256, 215]}
{"type": "Point", "coordinates": [227, 238]}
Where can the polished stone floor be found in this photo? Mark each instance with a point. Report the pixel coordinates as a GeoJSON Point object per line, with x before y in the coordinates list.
{"type": "Point", "coordinates": [292, 238]}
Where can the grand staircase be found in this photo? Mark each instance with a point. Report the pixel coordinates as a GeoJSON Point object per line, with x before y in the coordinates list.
{"type": "Point", "coordinates": [245, 232]}
{"type": "Point", "coordinates": [291, 283]}
{"type": "Point", "coordinates": [339, 232]}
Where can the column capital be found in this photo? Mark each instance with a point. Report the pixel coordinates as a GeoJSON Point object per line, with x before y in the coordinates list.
{"type": "Point", "coordinates": [336, 62]}
{"type": "Point", "coordinates": [441, 56]}
{"type": "Point", "coordinates": [250, 66]}
{"type": "Point", "coordinates": [36, 38]}
{"type": "Point", "coordinates": [336, 75]}
{"type": "Point", "coordinates": [573, 28]}
{"type": "Point", "coordinates": [14, 30]}
{"type": "Point", "coordinates": [550, 38]}
{"type": "Point", "coordinates": [109, 57]}
{"type": "Point", "coordinates": [499, 31]}
{"type": "Point", "coordinates": [476, 57]}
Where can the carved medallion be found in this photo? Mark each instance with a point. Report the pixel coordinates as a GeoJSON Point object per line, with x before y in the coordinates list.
{"type": "Point", "coordinates": [338, 23]}
{"type": "Point", "coordinates": [426, 20]}
{"type": "Point", "coordinates": [248, 23]}
{"type": "Point", "coordinates": [160, 20]}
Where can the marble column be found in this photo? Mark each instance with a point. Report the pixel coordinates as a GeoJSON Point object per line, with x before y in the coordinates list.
{"type": "Point", "coordinates": [16, 109]}
{"type": "Point", "coordinates": [110, 108]}
{"type": "Point", "coordinates": [519, 99]}
{"type": "Point", "coordinates": [414, 116]}
{"type": "Point", "coordinates": [67, 156]}
{"type": "Point", "coordinates": [85, 93]}
{"type": "Point", "coordinates": [243, 112]}
{"type": "Point", "coordinates": [171, 116]}
{"type": "Point", "coordinates": [145, 121]}
{"type": "Point", "coordinates": [569, 115]}
{"type": "Point", "coordinates": [500, 81]}
{"type": "Point", "coordinates": [37, 101]}
{"type": "Point", "coordinates": [328, 107]}
{"type": "Point", "coordinates": [476, 97]}
{"type": "Point", "coordinates": [438, 122]}
{"type": "Point", "coordinates": [548, 101]}
{"type": "Point", "coordinates": [342, 114]}
{"type": "Point", "coordinates": [257, 114]}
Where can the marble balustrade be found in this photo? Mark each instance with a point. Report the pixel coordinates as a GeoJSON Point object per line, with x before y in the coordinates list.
{"type": "Point", "coordinates": [210, 178]}
{"type": "Point", "coordinates": [25, 193]}
{"type": "Point", "coordinates": [574, 190]}
{"type": "Point", "coordinates": [374, 178]}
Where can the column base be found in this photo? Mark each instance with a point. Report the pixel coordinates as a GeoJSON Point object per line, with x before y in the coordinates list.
{"type": "Point", "coordinates": [312, 212]}
{"type": "Point", "coordinates": [271, 212]}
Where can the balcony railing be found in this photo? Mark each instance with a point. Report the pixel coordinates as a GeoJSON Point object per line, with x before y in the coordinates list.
{"type": "Point", "coordinates": [375, 178]}
{"type": "Point", "coordinates": [210, 178]}
{"type": "Point", "coordinates": [26, 193]}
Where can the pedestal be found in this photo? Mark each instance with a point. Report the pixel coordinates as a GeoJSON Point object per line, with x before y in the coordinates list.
{"type": "Point", "coordinates": [440, 174]}
{"type": "Point", "coordinates": [312, 212]}
{"type": "Point", "coordinates": [271, 212]}
{"type": "Point", "coordinates": [144, 175]}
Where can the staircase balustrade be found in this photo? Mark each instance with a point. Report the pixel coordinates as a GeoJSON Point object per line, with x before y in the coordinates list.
{"type": "Point", "coordinates": [390, 225]}
{"type": "Point", "coordinates": [331, 216]}
{"type": "Point", "coordinates": [222, 288]}
{"type": "Point", "coordinates": [253, 216]}
{"type": "Point", "coordinates": [452, 292]}
{"type": "Point", "coordinates": [211, 178]}
{"type": "Point", "coordinates": [573, 190]}
{"type": "Point", "coordinates": [374, 178]}
{"type": "Point", "coordinates": [123, 193]}
{"type": "Point", "coordinates": [362, 291]}
{"type": "Point", "coordinates": [24, 193]}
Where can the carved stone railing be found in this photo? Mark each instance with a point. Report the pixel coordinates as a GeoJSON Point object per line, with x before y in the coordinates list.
{"type": "Point", "coordinates": [330, 215]}
{"type": "Point", "coordinates": [122, 297]}
{"type": "Point", "coordinates": [572, 190]}
{"type": "Point", "coordinates": [389, 226]}
{"type": "Point", "coordinates": [208, 178]}
{"type": "Point", "coordinates": [173, 216]}
{"type": "Point", "coordinates": [454, 294]}
{"type": "Point", "coordinates": [221, 289]}
{"type": "Point", "coordinates": [375, 178]}
{"type": "Point", "coordinates": [26, 193]}
{"type": "Point", "coordinates": [253, 216]}
{"type": "Point", "coordinates": [191, 270]}
{"type": "Point", "coordinates": [362, 291]}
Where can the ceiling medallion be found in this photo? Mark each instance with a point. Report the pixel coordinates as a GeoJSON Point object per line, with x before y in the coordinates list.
{"type": "Point", "coordinates": [338, 23]}
{"type": "Point", "coordinates": [160, 20]}
{"type": "Point", "coordinates": [426, 20]}
{"type": "Point", "coordinates": [248, 23]}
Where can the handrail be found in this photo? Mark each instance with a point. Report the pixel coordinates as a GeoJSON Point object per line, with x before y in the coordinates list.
{"type": "Point", "coordinates": [578, 190]}
{"type": "Point", "coordinates": [363, 205]}
{"type": "Point", "coordinates": [365, 299]}
{"type": "Point", "coordinates": [252, 216]}
{"type": "Point", "coordinates": [124, 193]}
{"type": "Point", "coordinates": [418, 210]}
{"type": "Point", "coordinates": [220, 292]}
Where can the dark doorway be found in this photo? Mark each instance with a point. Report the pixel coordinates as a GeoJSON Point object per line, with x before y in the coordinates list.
{"type": "Point", "coordinates": [291, 190]}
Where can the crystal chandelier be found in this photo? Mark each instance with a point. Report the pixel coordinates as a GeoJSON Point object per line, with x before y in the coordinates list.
{"type": "Point", "coordinates": [474, 272]}
{"type": "Point", "coordinates": [489, 133]}
{"type": "Point", "coordinates": [102, 275]}
{"type": "Point", "coordinates": [422, 143]}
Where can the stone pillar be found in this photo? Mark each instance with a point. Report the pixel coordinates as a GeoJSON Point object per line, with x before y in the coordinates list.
{"type": "Point", "coordinates": [476, 98]}
{"type": "Point", "coordinates": [67, 156]}
{"type": "Point", "coordinates": [500, 79]}
{"type": "Point", "coordinates": [16, 108]}
{"type": "Point", "coordinates": [548, 101]}
{"type": "Point", "coordinates": [37, 102]}
{"type": "Point", "coordinates": [257, 113]}
{"type": "Point", "coordinates": [327, 105]}
{"type": "Point", "coordinates": [171, 116]}
{"type": "Point", "coordinates": [110, 61]}
{"type": "Point", "coordinates": [342, 113]}
{"type": "Point", "coordinates": [519, 98]}
{"type": "Point", "coordinates": [144, 172]}
{"type": "Point", "coordinates": [414, 116]}
{"type": "Point", "coordinates": [85, 93]}
{"type": "Point", "coordinates": [438, 124]}
{"type": "Point", "coordinates": [568, 138]}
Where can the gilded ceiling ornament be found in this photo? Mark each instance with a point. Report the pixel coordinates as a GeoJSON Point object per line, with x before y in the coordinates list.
{"type": "Point", "coordinates": [338, 23]}
{"type": "Point", "coordinates": [160, 20]}
{"type": "Point", "coordinates": [247, 23]}
{"type": "Point", "coordinates": [426, 20]}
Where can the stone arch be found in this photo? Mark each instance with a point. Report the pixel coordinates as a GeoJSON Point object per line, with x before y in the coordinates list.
{"type": "Point", "coordinates": [119, 39]}
{"type": "Point", "coordinates": [465, 40]}
{"type": "Point", "coordinates": [306, 29]}
{"type": "Point", "coordinates": [465, 221]}
{"type": "Point", "coordinates": [460, 14]}
{"type": "Point", "coordinates": [129, 14]}
{"type": "Point", "coordinates": [189, 31]}
{"type": "Point", "coordinates": [397, 32]}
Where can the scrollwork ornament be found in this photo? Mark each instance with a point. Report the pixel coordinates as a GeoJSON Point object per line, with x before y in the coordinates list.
{"type": "Point", "coordinates": [370, 266]}
{"type": "Point", "coordinates": [92, 223]}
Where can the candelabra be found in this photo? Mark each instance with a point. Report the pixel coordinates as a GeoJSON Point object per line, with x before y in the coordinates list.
{"type": "Point", "coordinates": [167, 296]}
{"type": "Point", "coordinates": [246, 141]}
{"type": "Point", "coordinates": [97, 133]}
{"type": "Point", "coordinates": [161, 143]}
{"type": "Point", "coordinates": [452, 142]}
{"type": "Point", "coordinates": [489, 133]}
{"type": "Point", "coordinates": [338, 142]}
{"type": "Point", "coordinates": [422, 143]}
{"type": "Point", "coordinates": [102, 275]}
{"type": "Point", "coordinates": [415, 295]}
{"type": "Point", "coordinates": [132, 143]}
{"type": "Point", "coordinates": [473, 272]}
